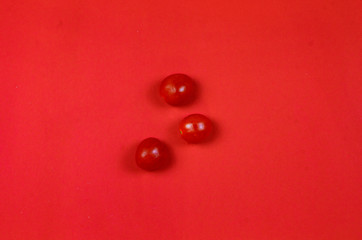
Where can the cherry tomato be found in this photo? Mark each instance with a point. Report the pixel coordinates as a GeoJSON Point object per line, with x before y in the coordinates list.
{"type": "Point", "coordinates": [178, 89]}
{"type": "Point", "coordinates": [196, 128]}
{"type": "Point", "coordinates": [152, 154]}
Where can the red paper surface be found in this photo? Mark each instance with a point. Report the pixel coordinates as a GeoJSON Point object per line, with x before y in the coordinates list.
{"type": "Point", "coordinates": [281, 79]}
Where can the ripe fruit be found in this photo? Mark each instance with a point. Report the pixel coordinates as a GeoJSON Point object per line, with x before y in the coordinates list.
{"type": "Point", "coordinates": [152, 154]}
{"type": "Point", "coordinates": [178, 89]}
{"type": "Point", "coordinates": [196, 128]}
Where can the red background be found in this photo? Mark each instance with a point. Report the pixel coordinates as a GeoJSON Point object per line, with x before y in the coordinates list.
{"type": "Point", "coordinates": [282, 80]}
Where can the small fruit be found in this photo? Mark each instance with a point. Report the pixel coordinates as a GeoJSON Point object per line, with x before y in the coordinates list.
{"type": "Point", "coordinates": [196, 128]}
{"type": "Point", "coordinates": [178, 89]}
{"type": "Point", "coordinates": [152, 154]}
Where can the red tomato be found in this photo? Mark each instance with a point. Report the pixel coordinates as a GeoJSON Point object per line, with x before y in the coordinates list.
{"type": "Point", "coordinates": [152, 154]}
{"type": "Point", "coordinates": [178, 89]}
{"type": "Point", "coordinates": [196, 128]}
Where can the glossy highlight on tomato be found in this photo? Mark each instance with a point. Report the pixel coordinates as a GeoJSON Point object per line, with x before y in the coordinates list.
{"type": "Point", "coordinates": [178, 89]}
{"type": "Point", "coordinates": [152, 154]}
{"type": "Point", "coordinates": [196, 128]}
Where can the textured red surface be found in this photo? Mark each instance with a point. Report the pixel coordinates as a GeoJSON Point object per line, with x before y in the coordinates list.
{"type": "Point", "coordinates": [282, 79]}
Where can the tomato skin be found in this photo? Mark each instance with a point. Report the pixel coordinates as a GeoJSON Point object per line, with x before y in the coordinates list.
{"type": "Point", "coordinates": [152, 154]}
{"type": "Point", "coordinates": [178, 89]}
{"type": "Point", "coordinates": [196, 128]}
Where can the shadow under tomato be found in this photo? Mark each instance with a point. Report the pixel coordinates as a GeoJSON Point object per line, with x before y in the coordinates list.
{"type": "Point", "coordinates": [215, 136]}
{"type": "Point", "coordinates": [153, 95]}
{"type": "Point", "coordinates": [128, 162]}
{"type": "Point", "coordinates": [173, 134]}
